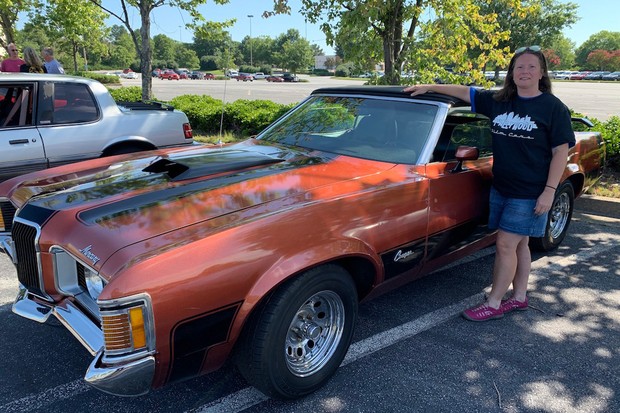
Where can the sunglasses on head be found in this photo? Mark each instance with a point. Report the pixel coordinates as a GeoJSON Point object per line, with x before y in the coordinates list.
{"type": "Point", "coordinates": [528, 48]}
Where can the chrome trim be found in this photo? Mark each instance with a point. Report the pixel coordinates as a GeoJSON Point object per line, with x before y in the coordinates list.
{"type": "Point", "coordinates": [82, 327]}
{"type": "Point", "coordinates": [8, 247]}
{"type": "Point", "coordinates": [130, 379]}
{"type": "Point", "coordinates": [121, 305]}
{"type": "Point", "coordinates": [25, 307]}
{"type": "Point", "coordinates": [37, 248]}
{"type": "Point", "coordinates": [87, 332]}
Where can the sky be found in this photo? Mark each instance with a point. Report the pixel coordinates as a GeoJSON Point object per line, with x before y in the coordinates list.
{"type": "Point", "coordinates": [595, 16]}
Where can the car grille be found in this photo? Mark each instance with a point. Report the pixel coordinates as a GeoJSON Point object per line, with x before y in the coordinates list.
{"type": "Point", "coordinates": [24, 236]}
{"type": "Point", "coordinates": [8, 212]}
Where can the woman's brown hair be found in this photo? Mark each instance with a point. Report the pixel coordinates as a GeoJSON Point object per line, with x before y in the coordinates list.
{"type": "Point", "coordinates": [509, 90]}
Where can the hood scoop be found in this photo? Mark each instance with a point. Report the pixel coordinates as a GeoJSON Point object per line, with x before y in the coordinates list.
{"type": "Point", "coordinates": [212, 164]}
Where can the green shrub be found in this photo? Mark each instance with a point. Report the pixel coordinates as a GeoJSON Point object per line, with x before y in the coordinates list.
{"type": "Point", "coordinates": [611, 135]}
{"type": "Point", "coordinates": [610, 131]}
{"type": "Point", "coordinates": [127, 94]}
{"type": "Point", "coordinates": [249, 117]}
{"type": "Point", "coordinates": [321, 72]}
{"type": "Point", "coordinates": [204, 112]}
{"type": "Point", "coordinates": [242, 117]}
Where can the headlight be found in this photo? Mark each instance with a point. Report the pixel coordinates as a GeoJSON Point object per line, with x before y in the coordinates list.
{"type": "Point", "coordinates": [94, 283]}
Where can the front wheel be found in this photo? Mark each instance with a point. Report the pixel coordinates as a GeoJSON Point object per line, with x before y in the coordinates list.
{"type": "Point", "coordinates": [558, 220]}
{"type": "Point", "coordinates": [295, 342]}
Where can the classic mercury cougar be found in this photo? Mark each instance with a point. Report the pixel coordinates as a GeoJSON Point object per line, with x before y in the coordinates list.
{"type": "Point", "coordinates": [164, 264]}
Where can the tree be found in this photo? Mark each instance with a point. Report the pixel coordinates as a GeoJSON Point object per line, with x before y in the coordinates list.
{"type": "Point", "coordinates": [603, 40]}
{"type": "Point", "coordinates": [120, 51]}
{"type": "Point", "coordinates": [164, 50]}
{"type": "Point", "coordinates": [564, 48]}
{"type": "Point", "coordinates": [143, 43]}
{"type": "Point", "coordinates": [411, 34]}
{"type": "Point", "coordinates": [186, 57]}
{"type": "Point", "coordinates": [537, 23]}
{"type": "Point", "coordinates": [292, 52]}
{"type": "Point", "coordinates": [11, 9]}
{"type": "Point", "coordinates": [211, 36]}
{"type": "Point", "coordinates": [77, 25]}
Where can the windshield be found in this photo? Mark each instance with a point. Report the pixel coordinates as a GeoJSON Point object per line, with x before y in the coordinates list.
{"type": "Point", "coordinates": [370, 128]}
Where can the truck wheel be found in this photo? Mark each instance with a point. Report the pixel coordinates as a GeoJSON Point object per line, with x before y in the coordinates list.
{"type": "Point", "coordinates": [297, 339]}
{"type": "Point", "coordinates": [558, 221]}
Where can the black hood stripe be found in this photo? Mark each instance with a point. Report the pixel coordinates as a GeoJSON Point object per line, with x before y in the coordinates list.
{"type": "Point", "coordinates": [172, 194]}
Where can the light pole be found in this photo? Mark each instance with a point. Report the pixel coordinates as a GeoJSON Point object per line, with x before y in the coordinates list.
{"type": "Point", "coordinates": [251, 60]}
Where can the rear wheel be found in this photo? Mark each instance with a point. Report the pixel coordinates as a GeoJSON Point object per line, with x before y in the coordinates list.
{"type": "Point", "coordinates": [558, 220]}
{"type": "Point", "coordinates": [295, 342]}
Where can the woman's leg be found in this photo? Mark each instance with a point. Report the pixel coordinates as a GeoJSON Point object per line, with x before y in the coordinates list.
{"type": "Point", "coordinates": [524, 266]}
{"type": "Point", "coordinates": [510, 261]}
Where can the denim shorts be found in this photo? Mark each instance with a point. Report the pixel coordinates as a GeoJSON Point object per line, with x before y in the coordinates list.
{"type": "Point", "coordinates": [515, 215]}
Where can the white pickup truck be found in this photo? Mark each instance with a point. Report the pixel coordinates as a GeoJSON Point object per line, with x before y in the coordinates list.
{"type": "Point", "coordinates": [50, 120]}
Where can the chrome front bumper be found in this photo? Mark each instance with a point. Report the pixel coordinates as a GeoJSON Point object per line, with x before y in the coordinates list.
{"type": "Point", "coordinates": [129, 378]}
{"type": "Point", "coordinates": [6, 245]}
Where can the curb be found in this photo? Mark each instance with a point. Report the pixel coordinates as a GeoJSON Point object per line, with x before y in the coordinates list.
{"type": "Point", "coordinates": [598, 205]}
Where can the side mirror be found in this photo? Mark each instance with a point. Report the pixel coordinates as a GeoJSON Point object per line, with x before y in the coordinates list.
{"type": "Point", "coordinates": [465, 153]}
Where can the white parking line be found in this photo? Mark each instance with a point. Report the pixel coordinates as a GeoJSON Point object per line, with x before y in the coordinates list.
{"type": "Point", "coordinates": [49, 396]}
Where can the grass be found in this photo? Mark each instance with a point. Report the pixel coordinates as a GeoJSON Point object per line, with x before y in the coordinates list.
{"type": "Point", "coordinates": [608, 185]}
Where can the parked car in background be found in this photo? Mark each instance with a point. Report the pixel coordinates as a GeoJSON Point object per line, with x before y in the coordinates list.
{"type": "Point", "coordinates": [183, 74]}
{"type": "Point", "coordinates": [196, 75]}
{"type": "Point", "coordinates": [232, 73]}
{"type": "Point", "coordinates": [156, 72]}
{"type": "Point", "coordinates": [169, 74]}
{"type": "Point", "coordinates": [274, 78]}
{"type": "Point", "coordinates": [596, 75]}
{"type": "Point", "coordinates": [130, 75]}
{"type": "Point", "coordinates": [49, 120]}
{"type": "Point", "coordinates": [166, 264]}
{"type": "Point", "coordinates": [259, 75]}
{"type": "Point", "coordinates": [578, 76]}
{"type": "Point", "coordinates": [565, 75]}
{"type": "Point", "coordinates": [209, 76]}
{"type": "Point", "coordinates": [289, 77]}
{"type": "Point", "coordinates": [612, 76]}
{"type": "Point", "coordinates": [245, 77]}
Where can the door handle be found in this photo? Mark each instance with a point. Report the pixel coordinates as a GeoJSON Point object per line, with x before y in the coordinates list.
{"type": "Point", "coordinates": [18, 141]}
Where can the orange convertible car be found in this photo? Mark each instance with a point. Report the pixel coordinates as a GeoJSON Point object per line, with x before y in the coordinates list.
{"type": "Point", "coordinates": [166, 263]}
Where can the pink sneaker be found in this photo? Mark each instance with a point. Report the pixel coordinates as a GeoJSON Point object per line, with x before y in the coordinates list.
{"type": "Point", "coordinates": [512, 304]}
{"type": "Point", "coordinates": [482, 313]}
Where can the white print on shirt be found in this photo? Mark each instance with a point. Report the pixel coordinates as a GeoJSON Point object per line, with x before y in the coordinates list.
{"type": "Point", "coordinates": [514, 122]}
{"type": "Point", "coordinates": [511, 135]}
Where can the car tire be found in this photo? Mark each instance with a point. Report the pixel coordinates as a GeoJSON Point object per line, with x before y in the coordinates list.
{"type": "Point", "coordinates": [558, 220]}
{"type": "Point", "coordinates": [295, 341]}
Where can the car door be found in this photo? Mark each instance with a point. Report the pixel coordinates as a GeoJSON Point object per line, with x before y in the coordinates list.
{"type": "Point", "coordinates": [459, 197]}
{"type": "Point", "coordinates": [69, 123]}
{"type": "Point", "coordinates": [21, 148]}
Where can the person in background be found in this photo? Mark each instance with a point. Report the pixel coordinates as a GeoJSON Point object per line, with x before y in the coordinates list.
{"type": "Point", "coordinates": [33, 63]}
{"type": "Point", "coordinates": [532, 133]}
{"type": "Point", "coordinates": [51, 64]}
{"type": "Point", "coordinates": [13, 62]}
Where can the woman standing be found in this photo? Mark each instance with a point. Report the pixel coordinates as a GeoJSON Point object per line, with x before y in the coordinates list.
{"type": "Point", "coordinates": [33, 63]}
{"type": "Point", "coordinates": [532, 133]}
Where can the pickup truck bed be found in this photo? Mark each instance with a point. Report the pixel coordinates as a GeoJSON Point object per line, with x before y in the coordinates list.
{"type": "Point", "coordinates": [50, 120]}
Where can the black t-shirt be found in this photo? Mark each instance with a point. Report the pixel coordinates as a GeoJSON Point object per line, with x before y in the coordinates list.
{"type": "Point", "coordinates": [524, 132]}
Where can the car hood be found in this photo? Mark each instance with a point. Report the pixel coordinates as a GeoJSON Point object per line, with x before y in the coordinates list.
{"type": "Point", "coordinates": [146, 196]}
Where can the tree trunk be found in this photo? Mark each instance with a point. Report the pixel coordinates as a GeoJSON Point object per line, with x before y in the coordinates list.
{"type": "Point", "coordinates": [146, 53]}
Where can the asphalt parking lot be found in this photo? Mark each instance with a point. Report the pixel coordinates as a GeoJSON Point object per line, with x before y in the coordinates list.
{"type": "Point", "coordinates": [411, 353]}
